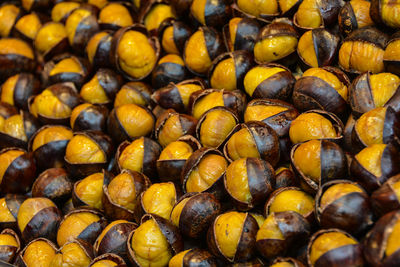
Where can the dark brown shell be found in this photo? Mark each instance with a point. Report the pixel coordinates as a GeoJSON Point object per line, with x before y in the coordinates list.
{"type": "Point", "coordinates": [349, 255]}
{"type": "Point", "coordinates": [53, 184]}
{"type": "Point", "coordinates": [110, 81]}
{"type": "Point", "coordinates": [314, 93]}
{"type": "Point", "coordinates": [384, 199]}
{"type": "Point", "coordinates": [393, 65]}
{"type": "Point", "coordinates": [181, 31]}
{"type": "Point", "coordinates": [351, 213]}
{"type": "Point", "coordinates": [141, 88]}
{"type": "Point", "coordinates": [376, 12]}
{"type": "Point", "coordinates": [93, 118]}
{"type": "Point", "coordinates": [7, 110]}
{"type": "Point", "coordinates": [13, 202]}
{"type": "Point", "coordinates": [377, 239]}
{"type": "Point", "coordinates": [333, 164]}
{"type": "Point", "coordinates": [40, 4]}
{"type": "Point", "coordinates": [198, 257]}
{"type": "Point", "coordinates": [61, 47]}
{"type": "Point", "coordinates": [20, 262]}
{"type": "Point", "coordinates": [390, 165]}
{"type": "Point", "coordinates": [26, 86]}
{"type": "Point", "coordinates": [246, 247]}
{"type": "Point", "coordinates": [8, 253]}
{"type": "Point", "coordinates": [111, 257]}
{"type": "Point", "coordinates": [113, 211]}
{"type": "Point", "coordinates": [114, 241]}
{"type": "Point", "coordinates": [216, 13]}
{"type": "Point", "coordinates": [246, 35]}
{"type": "Point", "coordinates": [347, 19]}
{"type": "Point", "coordinates": [101, 57]}
{"type": "Point", "coordinates": [285, 178]}
{"type": "Point", "coordinates": [295, 230]}
{"type": "Point", "coordinates": [295, 262]}
{"type": "Point", "coordinates": [20, 173]}
{"type": "Point", "coordinates": [181, 7]}
{"type": "Point", "coordinates": [257, 262]}
{"type": "Point", "coordinates": [167, 72]}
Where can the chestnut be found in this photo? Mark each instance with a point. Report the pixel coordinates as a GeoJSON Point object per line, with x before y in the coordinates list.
{"type": "Point", "coordinates": [373, 165]}
{"type": "Point", "coordinates": [240, 34]}
{"type": "Point", "coordinates": [54, 104]}
{"type": "Point", "coordinates": [125, 56]}
{"type": "Point", "coordinates": [324, 88]}
{"type": "Point", "coordinates": [140, 155]}
{"type": "Point", "coordinates": [38, 217]}
{"type": "Point", "coordinates": [200, 49]}
{"type": "Point", "coordinates": [203, 172]}
{"type": "Point", "coordinates": [53, 184]}
{"type": "Point", "coordinates": [6, 111]}
{"type": "Point", "coordinates": [114, 16]}
{"type": "Point", "coordinates": [114, 237]}
{"type": "Point", "coordinates": [390, 57]}
{"type": "Point", "coordinates": [318, 48]}
{"type": "Point", "coordinates": [284, 177]}
{"type": "Point", "coordinates": [17, 171]}
{"type": "Point", "coordinates": [316, 162]}
{"type": "Point", "coordinates": [193, 257]}
{"type": "Point", "coordinates": [61, 10]}
{"type": "Point", "coordinates": [48, 146]}
{"type": "Point", "coordinates": [165, 237]}
{"type": "Point", "coordinates": [9, 206]}
{"type": "Point", "coordinates": [263, 11]}
{"type": "Point", "coordinates": [282, 262]}
{"type": "Point", "coordinates": [313, 14]}
{"type": "Point", "coordinates": [363, 51]}
{"type": "Point", "coordinates": [159, 199]}
{"type": "Point", "coordinates": [176, 96]}
{"type": "Point", "coordinates": [154, 13]}
{"type": "Point", "coordinates": [9, 16]}
{"type": "Point", "coordinates": [29, 5]}
{"type": "Point", "coordinates": [51, 40]}
{"type": "Point", "coordinates": [269, 81]}
{"type": "Point", "coordinates": [73, 253]}
{"type": "Point", "coordinates": [10, 245]}
{"type": "Point", "coordinates": [18, 88]}
{"type": "Point", "coordinates": [354, 15]}
{"type": "Point", "coordinates": [98, 49]}
{"type": "Point", "coordinates": [253, 139]}
{"type": "Point", "coordinates": [211, 13]}
{"type": "Point", "coordinates": [40, 251]}
{"type": "Point", "coordinates": [133, 93]}
{"type": "Point", "coordinates": [228, 70]}
{"type": "Point", "coordinates": [173, 35]}
{"type": "Point", "coordinates": [86, 117]}
{"type": "Point", "coordinates": [84, 223]}
{"type": "Point", "coordinates": [87, 152]}
{"type": "Point", "coordinates": [384, 14]}
{"type": "Point", "coordinates": [121, 196]}
{"type": "Point", "coordinates": [27, 26]}
{"type": "Point", "coordinates": [385, 199]}
{"type": "Point", "coordinates": [170, 126]}
{"type": "Point", "coordinates": [282, 232]}
{"type": "Point", "coordinates": [194, 213]}
{"type": "Point", "coordinates": [106, 259]}
{"type": "Point", "coordinates": [334, 247]}
{"type": "Point", "coordinates": [130, 121]}
{"type": "Point", "coordinates": [232, 236]}
{"type": "Point", "coordinates": [169, 68]}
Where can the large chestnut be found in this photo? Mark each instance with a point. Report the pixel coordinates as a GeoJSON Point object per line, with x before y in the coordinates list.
{"type": "Point", "coordinates": [51, 40]}
{"type": "Point", "coordinates": [386, 198]}
{"type": "Point", "coordinates": [385, 14]}
{"type": "Point", "coordinates": [29, 255]}
{"type": "Point", "coordinates": [154, 13]}
{"type": "Point", "coordinates": [133, 93]}
{"type": "Point", "coordinates": [159, 199]}
{"type": "Point", "coordinates": [73, 253]}
{"type": "Point", "coordinates": [169, 68]}
{"type": "Point", "coordinates": [193, 257]}
{"type": "Point", "coordinates": [27, 26]}
{"type": "Point", "coordinates": [240, 34]}
{"type": "Point", "coordinates": [173, 35]}
{"type": "Point", "coordinates": [98, 49]}
{"type": "Point", "coordinates": [86, 117]}
{"type": "Point", "coordinates": [313, 14]}
{"type": "Point", "coordinates": [354, 15]}
{"type": "Point", "coordinates": [10, 245]}
{"type": "Point", "coordinates": [9, 206]}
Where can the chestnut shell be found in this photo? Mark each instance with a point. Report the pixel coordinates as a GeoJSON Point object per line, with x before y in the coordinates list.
{"type": "Point", "coordinates": [8, 253]}
{"type": "Point", "coordinates": [246, 35]}
{"type": "Point", "coordinates": [13, 202]}
{"type": "Point", "coordinates": [92, 118]}
{"type": "Point", "coordinates": [384, 199]}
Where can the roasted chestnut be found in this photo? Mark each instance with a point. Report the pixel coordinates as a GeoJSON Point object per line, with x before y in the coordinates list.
{"type": "Point", "coordinates": [313, 14]}
{"type": "Point", "coordinates": [200, 49]}
{"type": "Point", "coordinates": [210, 13]}
{"type": "Point", "coordinates": [53, 184]}
{"type": "Point", "coordinates": [262, 10]}
{"type": "Point", "coordinates": [284, 177]}
{"type": "Point", "coordinates": [29, 5]}
{"type": "Point", "coordinates": [373, 165]}
{"type": "Point", "coordinates": [9, 206]}
{"type": "Point", "coordinates": [154, 13]}
{"type": "Point", "coordinates": [17, 170]}
{"type": "Point", "coordinates": [87, 152]}
{"type": "Point", "coordinates": [89, 117]}
{"type": "Point", "coordinates": [6, 111]}
{"type": "Point", "coordinates": [385, 14]}
{"type": "Point", "coordinates": [170, 68]}
{"type": "Point", "coordinates": [61, 10]}
{"type": "Point", "coordinates": [98, 49]}
{"type": "Point", "coordinates": [354, 15]}
{"type": "Point", "coordinates": [316, 162]}
{"type": "Point", "coordinates": [333, 247]}
{"type": "Point", "coordinates": [282, 232]}
{"type": "Point", "coordinates": [193, 257]}
{"type": "Point", "coordinates": [232, 236]}
{"type": "Point", "coordinates": [386, 198]}
{"type": "Point", "coordinates": [9, 15]}
{"type": "Point", "coordinates": [108, 259]}
{"type": "Point", "coordinates": [324, 88]}
{"type": "Point", "coordinates": [51, 39]}
{"type": "Point", "coordinates": [164, 243]}
{"type": "Point", "coordinates": [363, 51]}
{"type": "Point", "coordinates": [240, 34]}
{"type": "Point", "coordinates": [27, 27]}
{"type": "Point", "coordinates": [74, 253]}
{"type": "Point", "coordinates": [159, 199]}
{"type": "Point", "coordinates": [38, 217]}
{"type": "Point", "coordinates": [38, 252]}
{"type": "Point", "coordinates": [318, 48]}
{"type": "Point", "coordinates": [85, 224]}
{"type": "Point", "coordinates": [286, 262]}
{"type": "Point", "coordinates": [115, 15]}
{"type": "Point", "coordinates": [102, 88]}
{"type": "Point", "coordinates": [10, 245]}
{"type": "Point", "coordinates": [269, 81]}
{"type": "Point", "coordinates": [173, 35]}
{"type": "Point", "coordinates": [133, 52]}
{"type": "Point", "coordinates": [121, 196]}
{"type": "Point", "coordinates": [133, 93]}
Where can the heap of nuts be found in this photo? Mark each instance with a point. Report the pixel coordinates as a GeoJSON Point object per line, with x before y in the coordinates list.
{"type": "Point", "coordinates": [199, 133]}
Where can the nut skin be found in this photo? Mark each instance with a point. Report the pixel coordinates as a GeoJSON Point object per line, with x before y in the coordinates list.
{"type": "Point", "coordinates": [384, 199]}
{"type": "Point", "coordinates": [110, 256]}
{"type": "Point", "coordinates": [93, 118]}
{"type": "Point", "coordinates": [167, 72]}
{"type": "Point", "coordinates": [101, 57]}
{"type": "Point", "coordinates": [390, 165]}
{"type": "Point", "coordinates": [349, 255]}
{"type": "Point", "coordinates": [246, 247]}
{"type": "Point", "coordinates": [216, 13]}
{"type": "Point", "coordinates": [285, 178]}
{"type": "Point", "coordinates": [246, 35]}
{"type": "Point", "coordinates": [19, 175]}
{"type": "Point", "coordinates": [54, 184]}
{"type": "Point", "coordinates": [26, 86]}
{"type": "Point", "coordinates": [8, 253]}
{"type": "Point", "coordinates": [114, 211]}
{"type": "Point", "coordinates": [20, 262]}
{"type": "Point", "coordinates": [333, 166]}
{"type": "Point", "coordinates": [295, 230]}
{"type": "Point", "coordinates": [181, 31]}
{"type": "Point", "coordinates": [351, 213]}
{"type": "Point", "coordinates": [314, 93]}
{"type": "Point", "coordinates": [376, 241]}
{"type": "Point", "coordinates": [13, 202]}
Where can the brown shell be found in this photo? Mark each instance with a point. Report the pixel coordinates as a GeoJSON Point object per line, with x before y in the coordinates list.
{"type": "Point", "coordinates": [246, 35]}
{"type": "Point", "coordinates": [26, 86]}
{"type": "Point", "coordinates": [86, 28]}
{"type": "Point", "coordinates": [11, 64]}
{"type": "Point", "coordinates": [377, 239]}
{"type": "Point", "coordinates": [347, 19]}
{"type": "Point", "coordinates": [257, 262]}
{"type": "Point", "coordinates": [198, 213]}
{"type": "Point", "coordinates": [53, 184]}
{"type": "Point", "coordinates": [142, 88]}
{"type": "Point", "coordinates": [390, 165]}
{"type": "Point", "coordinates": [80, 170]}
{"type": "Point", "coordinates": [277, 86]}
{"type": "Point", "coordinates": [110, 81]}
{"type": "Point", "coordinates": [261, 182]}
{"type": "Point", "coordinates": [285, 178]}
{"type": "Point", "coordinates": [348, 129]}
{"type": "Point", "coordinates": [61, 47]}
{"type": "Point", "coordinates": [181, 7]}
{"type": "Point", "coordinates": [20, 262]}
{"type": "Point", "coordinates": [246, 247]}
{"type": "Point", "coordinates": [314, 93]}
{"type": "Point", "coordinates": [13, 202]}
{"type": "Point", "coordinates": [169, 96]}
{"type": "Point", "coordinates": [114, 211]}
{"type": "Point", "coordinates": [265, 139]}
{"type": "Point", "coordinates": [384, 199]}
{"type": "Point", "coordinates": [293, 261]}
{"type": "Point", "coordinates": [198, 257]}
{"type": "Point", "coordinates": [101, 56]}
{"type": "Point", "coordinates": [86, 247]}
{"type": "Point", "coordinates": [40, 4]}
{"type": "Point", "coordinates": [7, 110]}
{"type": "Point", "coordinates": [217, 189]}
{"type": "Point", "coordinates": [333, 163]}
{"type": "Point", "coordinates": [20, 173]}
{"type": "Point", "coordinates": [392, 66]}
{"type": "Point", "coordinates": [295, 230]}
{"type": "Point", "coordinates": [114, 57]}
{"type": "Point", "coordinates": [114, 241]}
{"type": "Point", "coordinates": [351, 213]}
{"type": "Point", "coordinates": [92, 118]}
{"type": "Point", "coordinates": [167, 72]}
{"type": "Point", "coordinates": [111, 257]}
{"type": "Point", "coordinates": [8, 253]}
{"type": "Point", "coordinates": [181, 31]}
{"type": "Point", "coordinates": [216, 13]}
{"type": "Point", "coordinates": [349, 255]}
{"type": "Point", "coordinates": [151, 153]}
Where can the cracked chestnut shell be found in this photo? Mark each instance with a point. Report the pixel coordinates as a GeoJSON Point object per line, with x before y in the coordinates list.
{"type": "Point", "coordinates": [385, 14]}
{"type": "Point", "coordinates": [240, 34]}
{"type": "Point", "coordinates": [169, 68]}
{"type": "Point", "coordinates": [284, 177]}
{"type": "Point", "coordinates": [29, 256]}
{"type": "Point", "coordinates": [108, 258]}
{"type": "Point", "coordinates": [98, 49]}
{"type": "Point", "coordinates": [173, 35]}
{"type": "Point", "coordinates": [354, 15]}
{"type": "Point", "coordinates": [9, 207]}
{"type": "Point", "coordinates": [133, 93]}
{"type": "Point", "coordinates": [87, 117]}
{"type": "Point", "coordinates": [11, 245]}
{"type": "Point", "coordinates": [154, 13]}
{"type": "Point", "coordinates": [386, 198]}
{"type": "Point", "coordinates": [51, 40]}
{"type": "Point", "coordinates": [193, 257]}
{"type": "Point", "coordinates": [194, 213]}
{"type": "Point", "coordinates": [237, 231]}
{"type": "Point", "coordinates": [75, 253]}
{"type": "Point", "coordinates": [344, 205]}
{"type": "Point", "coordinates": [210, 13]}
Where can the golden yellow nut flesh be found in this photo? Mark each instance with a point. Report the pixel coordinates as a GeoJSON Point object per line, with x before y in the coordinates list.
{"type": "Point", "coordinates": [241, 145]}
{"type": "Point", "coordinates": [370, 158]}
{"type": "Point", "coordinates": [383, 87]}
{"type": "Point", "coordinates": [337, 191]}
{"type": "Point", "coordinates": [122, 191]}
{"type": "Point", "coordinates": [131, 157]}
{"type": "Point", "coordinates": [39, 254]}
{"type": "Point", "coordinates": [214, 99]}
{"type": "Point", "coordinates": [292, 200]}
{"type": "Point", "coordinates": [71, 255]}
{"type": "Point", "coordinates": [270, 229]}
{"type": "Point", "coordinates": [196, 54]}
{"type": "Point", "coordinates": [177, 150]}
{"type": "Point", "coordinates": [6, 160]}
{"type": "Point", "coordinates": [29, 208]}
{"type": "Point", "coordinates": [370, 125]}
{"type": "Point", "coordinates": [135, 120]}
{"type": "Point", "coordinates": [115, 14]}
{"type": "Point", "coordinates": [306, 49]}
{"type": "Point", "coordinates": [159, 199]}
{"type": "Point", "coordinates": [257, 75]}
{"type": "Point", "coordinates": [307, 157]}
{"type": "Point", "coordinates": [330, 79]}
{"type": "Point", "coordinates": [90, 190]}
{"type": "Point", "coordinates": [51, 134]}
{"type": "Point", "coordinates": [49, 36]}
{"type": "Point", "coordinates": [5, 213]}
{"type": "Point", "coordinates": [274, 48]}
{"type": "Point", "coordinates": [393, 243]}
{"type": "Point", "coordinates": [48, 105]}
{"type": "Point", "coordinates": [82, 149]}
{"type": "Point", "coordinates": [224, 75]}
{"type": "Point", "coordinates": [236, 182]}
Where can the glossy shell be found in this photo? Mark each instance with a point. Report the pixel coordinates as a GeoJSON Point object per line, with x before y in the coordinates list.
{"type": "Point", "coordinates": [246, 35]}
{"type": "Point", "coordinates": [384, 199]}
